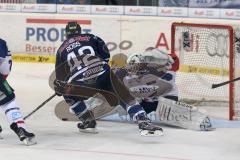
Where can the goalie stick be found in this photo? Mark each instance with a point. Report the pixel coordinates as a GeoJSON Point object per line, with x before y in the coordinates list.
{"type": "Point", "coordinates": [109, 100]}
{"type": "Point", "coordinates": [80, 91]}
{"type": "Point", "coordinates": [214, 85]}
{"type": "Point", "coordinates": [224, 83]}
{"type": "Point", "coordinates": [97, 104]}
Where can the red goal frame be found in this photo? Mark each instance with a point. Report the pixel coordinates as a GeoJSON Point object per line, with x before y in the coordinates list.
{"type": "Point", "coordinates": [231, 55]}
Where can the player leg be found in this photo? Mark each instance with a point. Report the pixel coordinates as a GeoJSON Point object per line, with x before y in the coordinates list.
{"type": "Point", "coordinates": [145, 126]}
{"type": "Point", "coordinates": [151, 105]}
{"type": "Point", "coordinates": [78, 107]}
{"type": "Point", "coordinates": [134, 109]}
{"type": "Point", "coordinates": [0, 132]}
{"type": "Point", "coordinates": [88, 119]}
{"type": "Point", "coordinates": [13, 114]}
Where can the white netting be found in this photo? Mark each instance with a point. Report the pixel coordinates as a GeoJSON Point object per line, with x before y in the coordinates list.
{"type": "Point", "coordinates": [204, 53]}
{"type": "Point", "coordinates": [237, 72]}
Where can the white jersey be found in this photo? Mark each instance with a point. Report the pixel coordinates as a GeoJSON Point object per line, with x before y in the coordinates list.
{"type": "Point", "coordinates": [5, 59]}
{"type": "Point", "coordinates": [174, 90]}
{"type": "Point", "coordinates": [5, 65]}
{"type": "Point", "coordinates": [169, 62]}
{"type": "Point", "coordinates": [149, 87]}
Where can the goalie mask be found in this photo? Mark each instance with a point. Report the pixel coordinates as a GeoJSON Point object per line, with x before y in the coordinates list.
{"type": "Point", "coordinates": [72, 29]}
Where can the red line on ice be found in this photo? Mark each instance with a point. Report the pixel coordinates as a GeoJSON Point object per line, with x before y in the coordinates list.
{"type": "Point", "coordinates": [98, 152]}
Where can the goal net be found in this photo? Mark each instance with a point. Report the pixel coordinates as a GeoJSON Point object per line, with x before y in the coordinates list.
{"type": "Point", "coordinates": [208, 54]}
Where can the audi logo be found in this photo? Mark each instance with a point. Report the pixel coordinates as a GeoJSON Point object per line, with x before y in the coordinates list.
{"type": "Point", "coordinates": [217, 45]}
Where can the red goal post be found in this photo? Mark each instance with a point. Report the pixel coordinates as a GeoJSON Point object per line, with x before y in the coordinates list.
{"type": "Point", "coordinates": [207, 55]}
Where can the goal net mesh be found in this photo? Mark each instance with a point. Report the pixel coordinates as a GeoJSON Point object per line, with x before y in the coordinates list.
{"type": "Point", "coordinates": [207, 56]}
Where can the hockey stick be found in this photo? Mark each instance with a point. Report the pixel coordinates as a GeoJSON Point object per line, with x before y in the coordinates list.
{"type": "Point", "coordinates": [224, 83]}
{"type": "Point", "coordinates": [41, 105]}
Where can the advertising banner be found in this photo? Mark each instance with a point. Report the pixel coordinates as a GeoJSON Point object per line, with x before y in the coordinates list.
{"type": "Point", "coordinates": [111, 10]}
{"type": "Point", "coordinates": [230, 13]}
{"type": "Point", "coordinates": [204, 13]}
{"type": "Point", "coordinates": [36, 35]}
{"type": "Point", "coordinates": [140, 10]}
{"type": "Point", "coordinates": [10, 7]}
{"type": "Point", "coordinates": [172, 11]}
{"type": "Point", "coordinates": [74, 9]}
{"type": "Point", "coordinates": [42, 34]}
{"type": "Point", "coordinates": [39, 8]}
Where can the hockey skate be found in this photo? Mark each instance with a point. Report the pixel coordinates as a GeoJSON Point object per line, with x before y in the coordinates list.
{"type": "Point", "coordinates": [1, 132]}
{"type": "Point", "coordinates": [206, 125]}
{"type": "Point", "coordinates": [146, 128]}
{"type": "Point", "coordinates": [24, 136]}
{"type": "Point", "coordinates": [87, 123]}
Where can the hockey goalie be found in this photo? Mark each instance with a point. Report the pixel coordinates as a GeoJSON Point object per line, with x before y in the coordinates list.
{"type": "Point", "coordinates": [150, 77]}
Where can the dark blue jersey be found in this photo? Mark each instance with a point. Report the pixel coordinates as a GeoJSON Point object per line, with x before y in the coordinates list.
{"type": "Point", "coordinates": [3, 49]}
{"type": "Point", "coordinates": [85, 56]}
{"type": "Point", "coordinates": [5, 59]}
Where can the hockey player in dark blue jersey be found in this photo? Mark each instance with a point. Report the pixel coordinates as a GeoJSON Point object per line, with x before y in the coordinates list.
{"type": "Point", "coordinates": [7, 98]}
{"type": "Point", "coordinates": [86, 57]}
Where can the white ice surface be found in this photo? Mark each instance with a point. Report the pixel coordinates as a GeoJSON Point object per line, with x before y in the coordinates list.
{"type": "Point", "coordinates": [59, 140]}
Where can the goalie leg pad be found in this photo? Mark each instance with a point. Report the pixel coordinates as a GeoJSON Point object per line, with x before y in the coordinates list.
{"type": "Point", "coordinates": [151, 106]}
{"type": "Point", "coordinates": [182, 115]}
{"type": "Point", "coordinates": [98, 104]}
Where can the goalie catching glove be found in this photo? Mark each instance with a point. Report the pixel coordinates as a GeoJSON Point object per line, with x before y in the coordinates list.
{"type": "Point", "coordinates": [153, 57]}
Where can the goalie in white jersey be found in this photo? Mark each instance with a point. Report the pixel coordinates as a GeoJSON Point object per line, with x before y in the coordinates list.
{"type": "Point", "coordinates": [155, 88]}
{"type": "Point", "coordinates": [7, 98]}
{"type": "Point", "coordinates": [171, 66]}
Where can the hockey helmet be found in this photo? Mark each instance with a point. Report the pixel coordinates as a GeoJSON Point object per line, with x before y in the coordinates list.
{"type": "Point", "coordinates": [72, 28]}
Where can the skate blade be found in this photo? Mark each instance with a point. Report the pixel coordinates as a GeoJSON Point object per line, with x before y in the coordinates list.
{"type": "Point", "coordinates": [29, 141]}
{"type": "Point", "coordinates": [207, 129]}
{"type": "Point", "coordinates": [89, 130]}
{"type": "Point", "coordinates": [151, 133]}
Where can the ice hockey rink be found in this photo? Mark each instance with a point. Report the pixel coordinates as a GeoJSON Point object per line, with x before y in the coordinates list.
{"type": "Point", "coordinates": [115, 141]}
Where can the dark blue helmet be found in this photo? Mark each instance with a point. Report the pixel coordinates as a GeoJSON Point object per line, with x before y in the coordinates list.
{"type": "Point", "coordinates": [72, 29]}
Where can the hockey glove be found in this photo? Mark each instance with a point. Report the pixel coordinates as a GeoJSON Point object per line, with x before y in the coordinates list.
{"type": "Point", "coordinates": [154, 58]}
{"type": "Point", "coordinates": [59, 87]}
{"type": "Point", "coordinates": [158, 57]}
